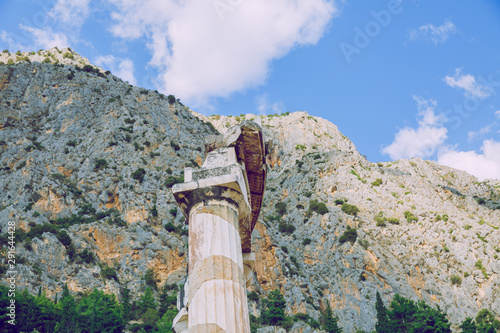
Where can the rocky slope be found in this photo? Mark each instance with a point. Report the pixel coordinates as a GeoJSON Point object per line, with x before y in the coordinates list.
{"type": "Point", "coordinates": [74, 140]}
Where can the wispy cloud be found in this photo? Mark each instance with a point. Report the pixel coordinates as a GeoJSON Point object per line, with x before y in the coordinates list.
{"type": "Point", "coordinates": [484, 165]}
{"type": "Point", "coordinates": [265, 106]}
{"type": "Point", "coordinates": [71, 12]}
{"type": "Point", "coordinates": [468, 83]}
{"type": "Point", "coordinates": [204, 50]}
{"type": "Point", "coordinates": [425, 139]}
{"type": "Point", "coordinates": [471, 135]}
{"type": "Point", "coordinates": [497, 114]}
{"type": "Point", "coordinates": [437, 35]}
{"type": "Point", "coordinates": [41, 38]}
{"type": "Point", "coordinates": [123, 68]}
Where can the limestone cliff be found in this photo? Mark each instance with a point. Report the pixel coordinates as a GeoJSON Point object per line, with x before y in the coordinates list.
{"type": "Point", "coordinates": [79, 146]}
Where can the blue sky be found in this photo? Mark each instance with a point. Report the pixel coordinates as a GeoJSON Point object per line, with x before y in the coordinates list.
{"type": "Point", "coordinates": [415, 78]}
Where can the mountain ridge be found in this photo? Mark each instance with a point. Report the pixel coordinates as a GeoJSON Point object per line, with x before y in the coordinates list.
{"type": "Point", "coordinates": [74, 142]}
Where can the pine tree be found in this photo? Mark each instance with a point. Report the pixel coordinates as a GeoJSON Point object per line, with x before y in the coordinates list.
{"type": "Point", "coordinates": [125, 301]}
{"type": "Point", "coordinates": [330, 323]}
{"type": "Point", "coordinates": [164, 325]}
{"type": "Point", "coordinates": [382, 324]}
{"type": "Point", "coordinates": [486, 322]}
{"type": "Point", "coordinates": [100, 312]}
{"type": "Point", "coordinates": [274, 308]}
{"type": "Point", "coordinates": [68, 321]}
{"type": "Point", "coordinates": [165, 300]}
{"type": "Point", "coordinates": [428, 319]}
{"type": "Point", "coordinates": [468, 326]}
{"type": "Point", "coordinates": [147, 301]}
{"type": "Point", "coordinates": [401, 314]}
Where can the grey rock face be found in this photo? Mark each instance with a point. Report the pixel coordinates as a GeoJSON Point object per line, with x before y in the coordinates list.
{"type": "Point", "coordinates": [72, 146]}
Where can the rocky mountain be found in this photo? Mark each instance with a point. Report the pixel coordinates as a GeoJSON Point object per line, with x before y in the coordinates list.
{"type": "Point", "coordinates": [84, 152]}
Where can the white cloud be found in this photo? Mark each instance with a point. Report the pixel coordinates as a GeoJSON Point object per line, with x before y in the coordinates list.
{"type": "Point", "coordinates": [72, 12]}
{"type": "Point", "coordinates": [468, 83]}
{"type": "Point", "coordinates": [46, 38]}
{"type": "Point", "coordinates": [7, 38]}
{"type": "Point", "coordinates": [426, 112]}
{"type": "Point", "coordinates": [265, 106]}
{"type": "Point", "coordinates": [423, 141]}
{"type": "Point", "coordinates": [484, 130]}
{"type": "Point", "coordinates": [435, 34]}
{"type": "Point", "coordinates": [123, 68]}
{"type": "Point", "coordinates": [483, 165]}
{"type": "Point", "coordinates": [497, 113]}
{"type": "Point", "coordinates": [40, 38]}
{"type": "Point", "coordinates": [208, 49]}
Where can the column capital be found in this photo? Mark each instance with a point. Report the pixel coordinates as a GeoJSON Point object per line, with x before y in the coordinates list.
{"type": "Point", "coordinates": [220, 176]}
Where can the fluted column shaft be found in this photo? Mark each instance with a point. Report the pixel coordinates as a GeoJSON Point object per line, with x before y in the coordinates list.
{"type": "Point", "coordinates": [217, 295]}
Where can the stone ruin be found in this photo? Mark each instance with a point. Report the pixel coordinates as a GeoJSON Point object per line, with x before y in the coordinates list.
{"type": "Point", "coordinates": [221, 202]}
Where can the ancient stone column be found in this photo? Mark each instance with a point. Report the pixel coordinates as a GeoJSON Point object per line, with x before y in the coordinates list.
{"type": "Point", "coordinates": [221, 201]}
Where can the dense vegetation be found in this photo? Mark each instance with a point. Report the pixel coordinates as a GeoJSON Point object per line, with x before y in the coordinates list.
{"type": "Point", "coordinates": [99, 312]}
{"type": "Point", "coordinates": [407, 316]}
{"type": "Point", "coordinates": [90, 313]}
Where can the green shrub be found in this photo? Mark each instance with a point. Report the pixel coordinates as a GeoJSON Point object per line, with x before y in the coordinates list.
{"type": "Point", "coordinates": [339, 202]}
{"type": "Point", "coordinates": [151, 278]}
{"type": "Point", "coordinates": [21, 165]}
{"type": "Point", "coordinates": [300, 147]}
{"type": "Point", "coordinates": [380, 219]}
{"type": "Point", "coordinates": [456, 279]}
{"type": "Point", "coordinates": [410, 217]}
{"type": "Point", "coordinates": [87, 256]}
{"type": "Point", "coordinates": [253, 296]}
{"type": "Point", "coordinates": [377, 182]}
{"type": "Point", "coordinates": [39, 229]}
{"type": "Point", "coordinates": [154, 211]}
{"type": "Point", "coordinates": [171, 99]}
{"type": "Point", "coordinates": [318, 207]}
{"type": "Point", "coordinates": [306, 241]}
{"type": "Point", "coordinates": [68, 55]}
{"type": "Point", "coordinates": [109, 273]}
{"type": "Point", "coordinates": [172, 180]}
{"type": "Point", "coordinates": [286, 228]}
{"type": "Point", "coordinates": [350, 209]}
{"type": "Point", "coordinates": [139, 174]}
{"type": "Point", "coordinates": [481, 201]}
{"type": "Point", "coordinates": [364, 243]}
{"type": "Point", "coordinates": [280, 208]}
{"type": "Point", "coordinates": [170, 227]}
{"type": "Point", "coordinates": [174, 145]}
{"type": "Point", "coordinates": [393, 220]}
{"type": "Point", "coordinates": [137, 146]}
{"type": "Point", "coordinates": [64, 238]}
{"type": "Point", "coordinates": [350, 235]}
{"type": "Point", "coordinates": [100, 164]}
